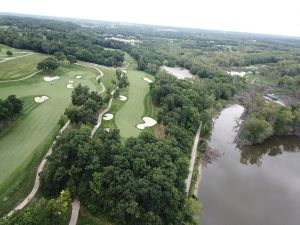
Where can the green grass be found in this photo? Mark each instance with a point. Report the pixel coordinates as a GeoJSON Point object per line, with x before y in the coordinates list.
{"type": "Point", "coordinates": [22, 146]}
{"type": "Point", "coordinates": [85, 218]}
{"type": "Point", "coordinates": [20, 67]}
{"type": "Point", "coordinates": [132, 111]}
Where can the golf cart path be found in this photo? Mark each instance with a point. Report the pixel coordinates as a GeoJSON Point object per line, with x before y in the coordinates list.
{"type": "Point", "coordinates": [24, 78]}
{"type": "Point", "coordinates": [37, 177]}
{"type": "Point", "coordinates": [193, 159]}
{"type": "Point", "coordinates": [90, 65]}
{"type": "Point", "coordinates": [75, 212]}
{"type": "Point", "coordinates": [75, 203]}
{"type": "Point", "coordinates": [16, 57]}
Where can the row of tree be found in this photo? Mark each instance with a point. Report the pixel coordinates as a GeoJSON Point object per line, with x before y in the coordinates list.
{"type": "Point", "coordinates": [9, 109]}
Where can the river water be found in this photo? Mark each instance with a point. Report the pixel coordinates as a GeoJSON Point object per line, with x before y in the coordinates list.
{"type": "Point", "coordinates": [256, 185]}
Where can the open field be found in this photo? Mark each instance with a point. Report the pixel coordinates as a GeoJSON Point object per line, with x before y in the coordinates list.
{"type": "Point", "coordinates": [20, 67]}
{"type": "Point", "coordinates": [131, 113]}
{"type": "Point", "coordinates": [27, 139]}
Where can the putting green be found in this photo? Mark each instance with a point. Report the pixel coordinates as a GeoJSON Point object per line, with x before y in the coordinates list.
{"type": "Point", "coordinates": [19, 143]}
{"type": "Point", "coordinates": [131, 113]}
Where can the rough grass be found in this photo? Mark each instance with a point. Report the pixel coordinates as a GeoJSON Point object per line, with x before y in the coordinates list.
{"type": "Point", "coordinates": [20, 67]}
{"type": "Point", "coordinates": [85, 218]}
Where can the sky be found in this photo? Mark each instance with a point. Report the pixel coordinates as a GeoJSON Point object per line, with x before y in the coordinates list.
{"type": "Point", "coordinates": [254, 16]}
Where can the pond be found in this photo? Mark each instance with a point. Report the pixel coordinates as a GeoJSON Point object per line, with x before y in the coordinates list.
{"type": "Point", "coordinates": [254, 185]}
{"type": "Point", "coordinates": [178, 72]}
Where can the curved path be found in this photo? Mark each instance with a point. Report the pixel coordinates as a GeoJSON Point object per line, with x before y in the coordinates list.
{"type": "Point", "coordinates": [24, 78]}
{"type": "Point", "coordinates": [193, 159]}
{"type": "Point", "coordinates": [90, 65]}
{"type": "Point", "coordinates": [16, 57]}
{"type": "Point", "coordinates": [75, 203]}
{"type": "Point", "coordinates": [37, 178]}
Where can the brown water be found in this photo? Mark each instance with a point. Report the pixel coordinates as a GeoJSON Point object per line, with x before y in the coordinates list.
{"type": "Point", "coordinates": [257, 185]}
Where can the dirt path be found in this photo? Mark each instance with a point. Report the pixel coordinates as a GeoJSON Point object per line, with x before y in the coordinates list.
{"type": "Point", "coordinates": [75, 212]}
{"type": "Point", "coordinates": [193, 159]}
{"type": "Point", "coordinates": [37, 178]}
{"type": "Point", "coordinates": [24, 78]}
{"type": "Point", "coordinates": [16, 57]}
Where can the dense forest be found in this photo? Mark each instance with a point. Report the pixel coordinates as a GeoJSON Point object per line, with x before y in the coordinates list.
{"type": "Point", "coordinates": [50, 36]}
{"type": "Point", "coordinates": [9, 109]}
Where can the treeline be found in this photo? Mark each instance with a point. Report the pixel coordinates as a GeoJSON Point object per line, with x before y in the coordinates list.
{"type": "Point", "coordinates": [46, 212]}
{"type": "Point", "coordinates": [269, 119]}
{"type": "Point", "coordinates": [85, 106]}
{"type": "Point", "coordinates": [9, 109]}
{"type": "Point", "coordinates": [139, 182]}
{"type": "Point", "coordinates": [49, 36]}
{"type": "Point", "coordinates": [183, 104]}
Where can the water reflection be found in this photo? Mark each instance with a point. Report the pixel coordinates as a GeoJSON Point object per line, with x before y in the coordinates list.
{"type": "Point", "coordinates": [251, 155]}
{"type": "Point", "coordinates": [255, 185]}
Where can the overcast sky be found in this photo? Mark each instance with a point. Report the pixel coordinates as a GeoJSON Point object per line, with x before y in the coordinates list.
{"type": "Point", "coordinates": [258, 16]}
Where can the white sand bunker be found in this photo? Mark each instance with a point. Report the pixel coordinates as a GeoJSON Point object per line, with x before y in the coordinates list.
{"type": "Point", "coordinates": [122, 97]}
{"type": "Point", "coordinates": [51, 78]}
{"type": "Point", "coordinates": [70, 86]}
{"type": "Point", "coordinates": [78, 77]}
{"type": "Point", "coordinates": [108, 116]}
{"type": "Point", "coordinates": [41, 99]}
{"type": "Point", "coordinates": [148, 122]}
{"type": "Point", "coordinates": [107, 129]}
{"type": "Point", "coordinates": [236, 73]}
{"type": "Point", "coordinates": [71, 81]}
{"type": "Point", "coordinates": [148, 80]}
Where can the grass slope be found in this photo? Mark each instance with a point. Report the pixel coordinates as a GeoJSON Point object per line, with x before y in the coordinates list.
{"type": "Point", "coordinates": [131, 113]}
{"type": "Point", "coordinates": [20, 67]}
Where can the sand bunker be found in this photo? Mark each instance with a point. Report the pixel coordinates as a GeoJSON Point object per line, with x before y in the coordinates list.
{"type": "Point", "coordinates": [122, 97]}
{"type": "Point", "coordinates": [70, 86]}
{"type": "Point", "coordinates": [51, 78]}
{"type": "Point", "coordinates": [71, 81]}
{"type": "Point", "coordinates": [236, 73]}
{"type": "Point", "coordinates": [178, 72]}
{"type": "Point", "coordinates": [108, 116]}
{"type": "Point", "coordinates": [41, 99]}
{"type": "Point", "coordinates": [148, 122]}
{"type": "Point", "coordinates": [78, 77]}
{"type": "Point", "coordinates": [148, 80]}
{"type": "Point", "coordinates": [107, 129]}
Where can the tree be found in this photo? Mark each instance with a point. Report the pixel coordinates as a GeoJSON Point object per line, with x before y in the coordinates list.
{"type": "Point", "coordinates": [74, 114]}
{"type": "Point", "coordinates": [48, 64]}
{"type": "Point", "coordinates": [57, 208]}
{"type": "Point", "coordinates": [9, 53]}
{"type": "Point", "coordinates": [256, 130]}
{"type": "Point", "coordinates": [59, 56]}
{"type": "Point", "coordinates": [72, 59]}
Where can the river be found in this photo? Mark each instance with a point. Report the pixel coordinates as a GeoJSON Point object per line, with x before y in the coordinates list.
{"type": "Point", "coordinates": [255, 185]}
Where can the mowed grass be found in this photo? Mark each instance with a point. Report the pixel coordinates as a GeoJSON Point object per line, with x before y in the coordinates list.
{"type": "Point", "coordinates": [131, 113]}
{"type": "Point", "coordinates": [20, 67]}
{"type": "Point", "coordinates": [27, 137]}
